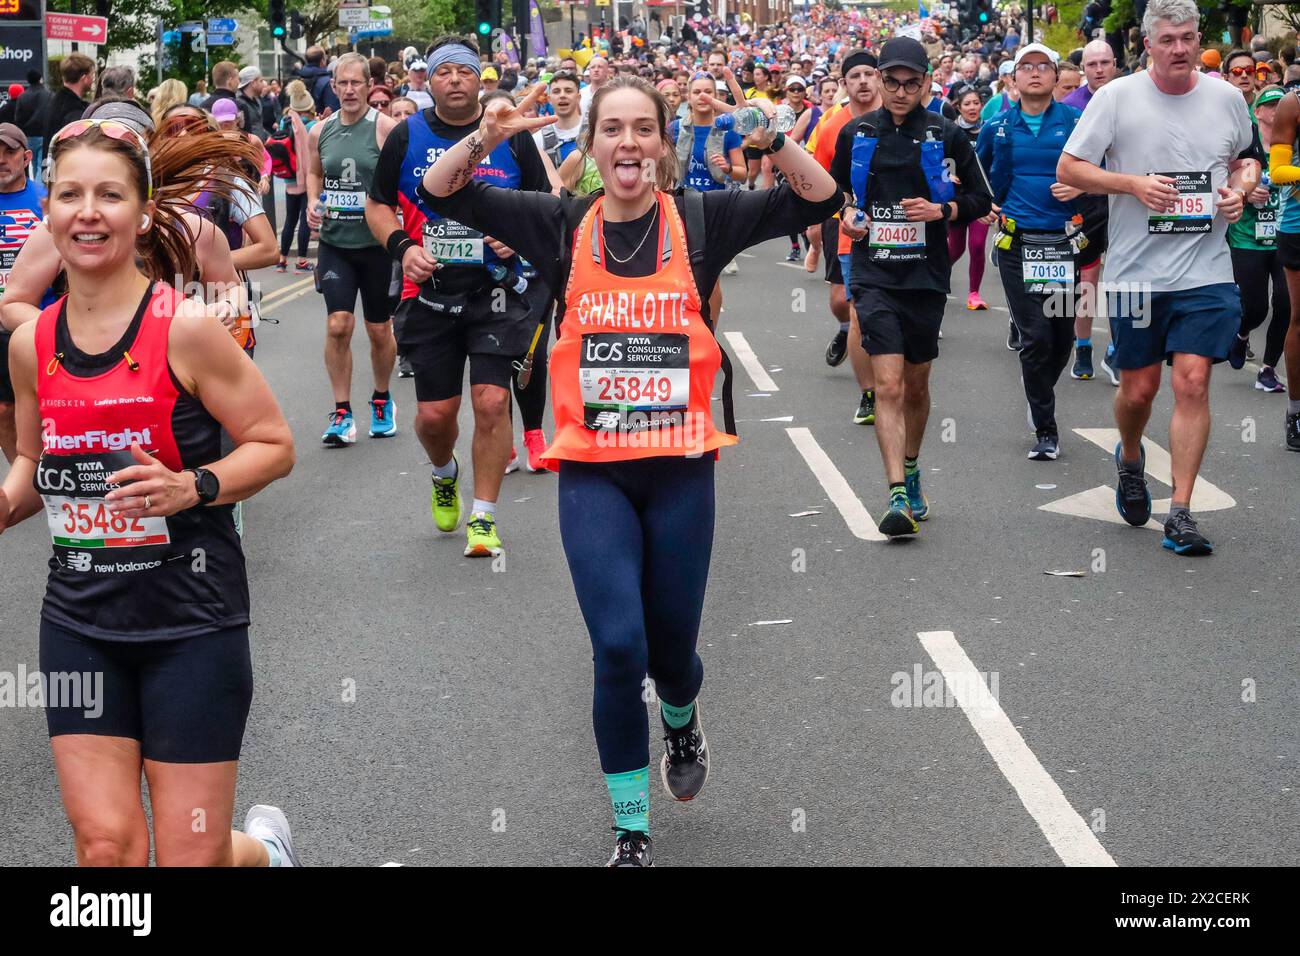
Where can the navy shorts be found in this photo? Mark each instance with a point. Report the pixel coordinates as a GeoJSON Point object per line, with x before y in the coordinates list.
{"type": "Point", "coordinates": [1150, 327]}
{"type": "Point", "coordinates": [185, 700]}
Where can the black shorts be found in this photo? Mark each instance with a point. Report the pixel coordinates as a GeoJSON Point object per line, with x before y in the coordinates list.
{"type": "Point", "coordinates": [753, 155]}
{"type": "Point", "coordinates": [6, 383]}
{"type": "Point", "coordinates": [186, 700]}
{"type": "Point", "coordinates": [900, 322]}
{"type": "Point", "coordinates": [830, 245]}
{"type": "Point", "coordinates": [1096, 219]}
{"type": "Point", "coordinates": [1288, 250]}
{"type": "Point", "coordinates": [438, 343]}
{"type": "Point", "coordinates": [341, 273]}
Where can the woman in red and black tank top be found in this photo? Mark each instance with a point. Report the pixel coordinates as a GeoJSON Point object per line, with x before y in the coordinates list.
{"type": "Point", "coordinates": [122, 389]}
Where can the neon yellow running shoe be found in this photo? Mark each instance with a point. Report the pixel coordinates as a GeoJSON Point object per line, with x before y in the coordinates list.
{"type": "Point", "coordinates": [445, 501]}
{"type": "Point", "coordinates": [481, 539]}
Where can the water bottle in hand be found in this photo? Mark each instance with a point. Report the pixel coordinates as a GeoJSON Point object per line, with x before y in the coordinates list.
{"type": "Point", "coordinates": [749, 118]}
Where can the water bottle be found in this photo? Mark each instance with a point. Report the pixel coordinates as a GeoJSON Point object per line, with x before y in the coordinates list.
{"type": "Point", "coordinates": [749, 118]}
{"type": "Point", "coordinates": [499, 273]}
{"type": "Point", "coordinates": [319, 210]}
{"type": "Point", "coordinates": [1264, 183]}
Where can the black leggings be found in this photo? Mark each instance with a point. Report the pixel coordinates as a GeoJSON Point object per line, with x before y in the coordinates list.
{"type": "Point", "coordinates": [295, 214]}
{"type": "Point", "coordinates": [532, 400]}
{"type": "Point", "coordinates": [1252, 269]}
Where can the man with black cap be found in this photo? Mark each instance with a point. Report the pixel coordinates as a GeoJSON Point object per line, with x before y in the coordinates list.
{"type": "Point", "coordinates": [906, 173]}
{"type": "Point", "coordinates": [20, 212]}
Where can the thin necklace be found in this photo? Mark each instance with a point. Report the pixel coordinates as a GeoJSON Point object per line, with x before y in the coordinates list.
{"type": "Point", "coordinates": [653, 221]}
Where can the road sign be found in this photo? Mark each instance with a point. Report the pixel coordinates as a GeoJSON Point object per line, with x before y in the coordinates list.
{"type": "Point", "coordinates": [354, 17]}
{"type": "Point", "coordinates": [376, 28]}
{"type": "Point", "coordinates": [222, 25]}
{"type": "Point", "coordinates": [68, 26]}
{"type": "Point", "coordinates": [344, 4]}
{"type": "Point", "coordinates": [190, 26]}
{"type": "Point", "coordinates": [199, 44]}
{"type": "Point", "coordinates": [221, 39]}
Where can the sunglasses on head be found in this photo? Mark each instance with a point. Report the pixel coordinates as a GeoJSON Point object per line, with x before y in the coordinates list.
{"type": "Point", "coordinates": [113, 129]}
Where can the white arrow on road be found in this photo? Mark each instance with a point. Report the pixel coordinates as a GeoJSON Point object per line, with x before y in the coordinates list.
{"type": "Point", "coordinates": [1099, 503]}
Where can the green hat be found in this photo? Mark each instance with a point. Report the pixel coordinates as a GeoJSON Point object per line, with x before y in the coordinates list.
{"type": "Point", "coordinates": [1269, 95]}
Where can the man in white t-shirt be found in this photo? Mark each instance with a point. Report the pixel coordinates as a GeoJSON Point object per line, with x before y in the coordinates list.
{"type": "Point", "coordinates": [417, 85]}
{"type": "Point", "coordinates": [598, 74]}
{"type": "Point", "coordinates": [1178, 149]}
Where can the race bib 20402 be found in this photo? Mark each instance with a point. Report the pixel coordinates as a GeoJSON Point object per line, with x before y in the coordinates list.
{"type": "Point", "coordinates": [891, 237]}
{"type": "Point", "coordinates": [1194, 209]}
{"type": "Point", "coordinates": [632, 382]}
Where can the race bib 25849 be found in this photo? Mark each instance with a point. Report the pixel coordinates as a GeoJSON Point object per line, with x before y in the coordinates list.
{"type": "Point", "coordinates": [628, 377]}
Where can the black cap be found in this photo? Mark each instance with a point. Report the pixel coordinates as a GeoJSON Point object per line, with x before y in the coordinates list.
{"type": "Point", "coordinates": [904, 51]}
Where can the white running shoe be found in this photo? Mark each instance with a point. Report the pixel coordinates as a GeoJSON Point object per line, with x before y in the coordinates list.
{"type": "Point", "coordinates": [269, 824]}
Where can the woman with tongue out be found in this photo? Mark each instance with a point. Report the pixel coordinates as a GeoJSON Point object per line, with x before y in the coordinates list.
{"type": "Point", "coordinates": [633, 426]}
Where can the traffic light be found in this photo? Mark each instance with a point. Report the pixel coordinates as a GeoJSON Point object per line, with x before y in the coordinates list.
{"type": "Point", "coordinates": [275, 16]}
{"type": "Point", "coordinates": [295, 25]}
{"type": "Point", "coordinates": [984, 11]}
{"type": "Point", "coordinates": [483, 18]}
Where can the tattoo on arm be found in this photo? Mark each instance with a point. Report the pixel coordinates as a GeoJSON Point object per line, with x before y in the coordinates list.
{"type": "Point", "coordinates": [798, 182]}
{"type": "Point", "coordinates": [463, 175]}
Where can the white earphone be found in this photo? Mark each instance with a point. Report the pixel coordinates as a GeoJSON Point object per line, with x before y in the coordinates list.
{"type": "Point", "coordinates": [144, 221]}
{"type": "Point", "coordinates": [45, 221]}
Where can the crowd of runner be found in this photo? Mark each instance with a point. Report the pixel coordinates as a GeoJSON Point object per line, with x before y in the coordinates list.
{"type": "Point", "coordinates": [475, 207]}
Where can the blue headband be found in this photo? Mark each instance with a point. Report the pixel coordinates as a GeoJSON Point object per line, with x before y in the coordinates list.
{"type": "Point", "coordinates": [457, 54]}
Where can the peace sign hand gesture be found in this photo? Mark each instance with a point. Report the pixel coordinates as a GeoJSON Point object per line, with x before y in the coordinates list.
{"type": "Point", "coordinates": [501, 120]}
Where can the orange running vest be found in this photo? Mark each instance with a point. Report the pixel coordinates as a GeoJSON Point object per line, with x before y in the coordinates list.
{"type": "Point", "coordinates": [633, 369]}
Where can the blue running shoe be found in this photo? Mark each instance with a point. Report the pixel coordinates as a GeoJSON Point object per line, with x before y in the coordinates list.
{"type": "Point", "coordinates": [1107, 367]}
{"type": "Point", "coordinates": [915, 497]}
{"type": "Point", "coordinates": [383, 418]}
{"type": "Point", "coordinates": [898, 520]}
{"type": "Point", "coordinates": [1183, 537]}
{"type": "Point", "coordinates": [1132, 497]}
{"type": "Point", "coordinates": [342, 430]}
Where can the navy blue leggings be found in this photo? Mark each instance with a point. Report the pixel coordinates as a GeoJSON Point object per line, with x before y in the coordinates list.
{"type": "Point", "coordinates": [638, 536]}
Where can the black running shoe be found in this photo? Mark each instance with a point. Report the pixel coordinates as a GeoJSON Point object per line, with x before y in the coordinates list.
{"type": "Point", "coordinates": [866, 412]}
{"type": "Point", "coordinates": [838, 348]}
{"type": "Point", "coordinates": [1013, 337]}
{"type": "Point", "coordinates": [1237, 352]}
{"type": "Point", "coordinates": [898, 521]}
{"type": "Point", "coordinates": [1132, 497]}
{"type": "Point", "coordinates": [632, 849]}
{"type": "Point", "coordinates": [1293, 431]}
{"type": "Point", "coordinates": [685, 764]}
{"type": "Point", "coordinates": [1183, 537]}
{"type": "Point", "coordinates": [1048, 447]}
{"type": "Point", "coordinates": [404, 369]}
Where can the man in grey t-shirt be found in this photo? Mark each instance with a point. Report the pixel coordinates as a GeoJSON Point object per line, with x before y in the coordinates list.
{"type": "Point", "coordinates": [1178, 149]}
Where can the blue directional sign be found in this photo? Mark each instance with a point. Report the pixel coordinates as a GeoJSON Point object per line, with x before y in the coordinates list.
{"type": "Point", "coordinates": [192, 26]}
{"type": "Point", "coordinates": [221, 39]}
{"type": "Point", "coordinates": [222, 25]}
{"type": "Point", "coordinates": [171, 37]}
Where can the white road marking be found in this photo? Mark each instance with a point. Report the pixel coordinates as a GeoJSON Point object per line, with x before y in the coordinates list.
{"type": "Point", "coordinates": [762, 381]}
{"type": "Point", "coordinates": [1067, 832]}
{"type": "Point", "coordinates": [1099, 503]}
{"type": "Point", "coordinates": [835, 485]}
{"type": "Point", "coordinates": [390, 864]}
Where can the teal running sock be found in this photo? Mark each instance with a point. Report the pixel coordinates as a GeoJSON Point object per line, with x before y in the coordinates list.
{"type": "Point", "coordinates": [676, 717]}
{"type": "Point", "coordinates": [898, 491]}
{"type": "Point", "coordinates": [1083, 343]}
{"type": "Point", "coordinates": [272, 851]}
{"type": "Point", "coordinates": [630, 794]}
{"type": "Point", "coordinates": [910, 466]}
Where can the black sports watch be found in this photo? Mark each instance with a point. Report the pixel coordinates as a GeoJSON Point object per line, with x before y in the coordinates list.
{"type": "Point", "coordinates": [206, 484]}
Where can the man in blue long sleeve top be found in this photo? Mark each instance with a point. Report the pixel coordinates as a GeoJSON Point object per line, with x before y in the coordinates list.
{"type": "Point", "coordinates": [1036, 249]}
